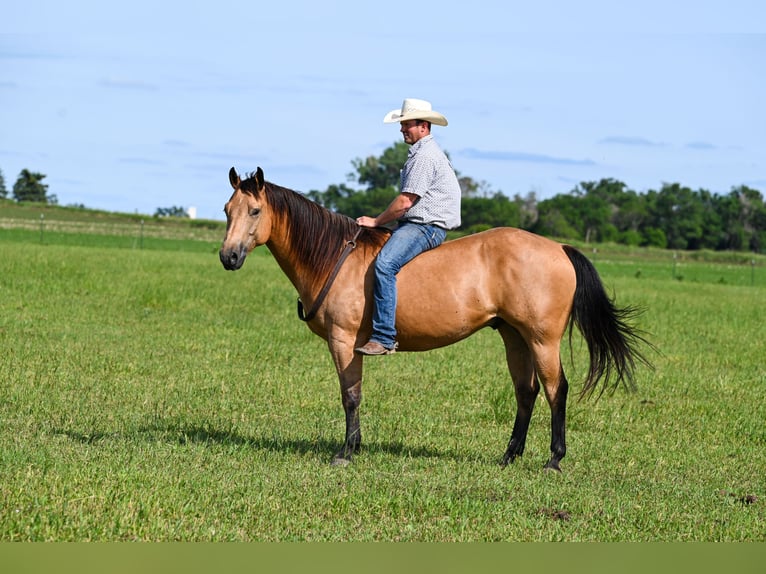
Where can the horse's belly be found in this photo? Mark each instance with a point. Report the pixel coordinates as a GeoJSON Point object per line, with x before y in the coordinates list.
{"type": "Point", "coordinates": [442, 314]}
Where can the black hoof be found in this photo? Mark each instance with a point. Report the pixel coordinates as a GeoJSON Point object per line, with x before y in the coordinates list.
{"type": "Point", "coordinates": [552, 465]}
{"type": "Point", "coordinates": [342, 458]}
{"type": "Point", "coordinates": [509, 457]}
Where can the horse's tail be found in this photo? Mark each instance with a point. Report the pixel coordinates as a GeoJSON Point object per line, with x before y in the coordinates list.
{"type": "Point", "coordinates": [613, 343]}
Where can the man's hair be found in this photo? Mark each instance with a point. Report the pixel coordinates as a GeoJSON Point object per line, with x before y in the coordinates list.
{"type": "Point", "coordinates": [418, 122]}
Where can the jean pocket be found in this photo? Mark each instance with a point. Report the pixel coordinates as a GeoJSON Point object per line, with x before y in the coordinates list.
{"type": "Point", "coordinates": [437, 236]}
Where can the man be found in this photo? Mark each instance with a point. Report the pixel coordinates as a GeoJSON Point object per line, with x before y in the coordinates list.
{"type": "Point", "coordinates": [427, 206]}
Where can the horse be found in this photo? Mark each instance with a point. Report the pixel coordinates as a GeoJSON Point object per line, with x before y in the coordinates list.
{"type": "Point", "coordinates": [529, 288]}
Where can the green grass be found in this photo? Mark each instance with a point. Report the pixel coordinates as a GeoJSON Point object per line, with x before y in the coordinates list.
{"type": "Point", "coordinates": [147, 394]}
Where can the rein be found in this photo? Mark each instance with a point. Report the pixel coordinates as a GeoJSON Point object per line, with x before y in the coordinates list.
{"type": "Point", "coordinates": [350, 246]}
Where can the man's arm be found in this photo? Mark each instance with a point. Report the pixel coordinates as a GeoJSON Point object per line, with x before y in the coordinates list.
{"type": "Point", "coordinates": [396, 209]}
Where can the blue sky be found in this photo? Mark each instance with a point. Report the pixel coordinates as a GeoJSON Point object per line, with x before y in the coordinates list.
{"type": "Point", "coordinates": [134, 106]}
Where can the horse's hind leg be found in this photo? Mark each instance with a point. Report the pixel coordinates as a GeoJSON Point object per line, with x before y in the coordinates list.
{"type": "Point", "coordinates": [556, 387]}
{"type": "Point", "coordinates": [526, 388]}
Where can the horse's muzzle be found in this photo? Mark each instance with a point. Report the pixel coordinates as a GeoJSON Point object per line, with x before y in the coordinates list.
{"type": "Point", "coordinates": [232, 258]}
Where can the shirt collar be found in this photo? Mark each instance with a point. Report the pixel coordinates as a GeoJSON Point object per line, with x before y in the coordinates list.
{"type": "Point", "coordinates": [418, 144]}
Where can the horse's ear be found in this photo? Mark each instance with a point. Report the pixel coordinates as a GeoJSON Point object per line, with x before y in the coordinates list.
{"type": "Point", "coordinates": [234, 178]}
{"type": "Point", "coordinates": [259, 178]}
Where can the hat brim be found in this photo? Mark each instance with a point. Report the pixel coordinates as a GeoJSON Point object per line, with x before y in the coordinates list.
{"type": "Point", "coordinates": [395, 116]}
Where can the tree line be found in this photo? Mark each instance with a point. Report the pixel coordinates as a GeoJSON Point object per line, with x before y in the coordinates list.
{"type": "Point", "coordinates": [29, 186]}
{"type": "Point", "coordinates": [672, 217]}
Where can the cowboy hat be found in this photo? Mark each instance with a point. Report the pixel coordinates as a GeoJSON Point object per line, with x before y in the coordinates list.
{"type": "Point", "coordinates": [413, 109]}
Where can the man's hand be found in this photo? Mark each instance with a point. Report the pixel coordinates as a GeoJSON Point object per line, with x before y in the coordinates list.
{"type": "Point", "coordinates": [366, 221]}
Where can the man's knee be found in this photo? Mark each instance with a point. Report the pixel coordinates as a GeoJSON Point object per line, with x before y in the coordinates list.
{"type": "Point", "coordinates": [385, 266]}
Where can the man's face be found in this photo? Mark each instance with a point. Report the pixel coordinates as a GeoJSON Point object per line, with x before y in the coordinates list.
{"type": "Point", "coordinates": [412, 132]}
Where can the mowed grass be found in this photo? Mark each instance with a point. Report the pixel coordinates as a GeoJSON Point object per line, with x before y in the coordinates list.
{"type": "Point", "coordinates": [151, 395]}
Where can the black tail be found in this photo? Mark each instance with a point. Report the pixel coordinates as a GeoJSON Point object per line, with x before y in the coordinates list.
{"type": "Point", "coordinates": [613, 343]}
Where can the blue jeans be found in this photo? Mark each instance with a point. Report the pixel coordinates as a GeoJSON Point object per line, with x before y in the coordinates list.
{"type": "Point", "coordinates": [407, 241]}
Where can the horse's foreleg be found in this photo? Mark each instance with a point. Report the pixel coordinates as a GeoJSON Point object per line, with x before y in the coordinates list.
{"type": "Point", "coordinates": [351, 398]}
{"type": "Point", "coordinates": [349, 367]}
{"type": "Point", "coordinates": [526, 388]}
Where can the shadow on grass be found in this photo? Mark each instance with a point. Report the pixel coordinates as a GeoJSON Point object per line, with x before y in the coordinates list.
{"type": "Point", "coordinates": [196, 434]}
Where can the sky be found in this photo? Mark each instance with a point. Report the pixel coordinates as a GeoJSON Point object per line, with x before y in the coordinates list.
{"type": "Point", "coordinates": [133, 106]}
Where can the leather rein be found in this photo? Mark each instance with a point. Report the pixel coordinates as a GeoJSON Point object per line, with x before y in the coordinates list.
{"type": "Point", "coordinates": [350, 246]}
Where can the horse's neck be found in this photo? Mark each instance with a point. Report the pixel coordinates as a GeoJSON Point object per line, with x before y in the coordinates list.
{"type": "Point", "coordinates": [293, 269]}
{"type": "Point", "coordinates": [295, 262]}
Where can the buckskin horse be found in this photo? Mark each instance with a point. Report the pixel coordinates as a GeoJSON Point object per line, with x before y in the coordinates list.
{"type": "Point", "coordinates": [527, 287]}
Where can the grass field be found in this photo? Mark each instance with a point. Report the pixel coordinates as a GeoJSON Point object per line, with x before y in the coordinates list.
{"type": "Point", "coordinates": [147, 394]}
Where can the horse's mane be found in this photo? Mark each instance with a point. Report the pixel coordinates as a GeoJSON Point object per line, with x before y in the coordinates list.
{"type": "Point", "coordinates": [316, 235]}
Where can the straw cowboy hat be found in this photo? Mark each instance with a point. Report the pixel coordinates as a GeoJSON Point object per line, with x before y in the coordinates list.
{"type": "Point", "coordinates": [413, 109]}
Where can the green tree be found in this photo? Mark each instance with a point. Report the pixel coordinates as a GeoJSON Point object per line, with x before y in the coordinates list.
{"type": "Point", "coordinates": [29, 187]}
{"type": "Point", "coordinates": [743, 216]}
{"type": "Point", "coordinates": [3, 189]}
{"type": "Point", "coordinates": [654, 237]}
{"type": "Point", "coordinates": [335, 197]}
{"type": "Point", "coordinates": [678, 211]}
{"type": "Point", "coordinates": [609, 209]}
{"type": "Point", "coordinates": [713, 235]}
{"type": "Point", "coordinates": [174, 211]}
{"type": "Point", "coordinates": [528, 209]}
{"type": "Point", "coordinates": [631, 212]}
{"type": "Point", "coordinates": [381, 172]}
{"type": "Point", "coordinates": [553, 221]}
{"type": "Point", "coordinates": [479, 213]}
{"type": "Point", "coordinates": [559, 216]}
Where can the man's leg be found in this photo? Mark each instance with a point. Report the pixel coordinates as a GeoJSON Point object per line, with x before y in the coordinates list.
{"type": "Point", "coordinates": [406, 242]}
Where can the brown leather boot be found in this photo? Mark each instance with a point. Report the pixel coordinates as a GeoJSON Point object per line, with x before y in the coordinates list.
{"type": "Point", "coordinates": [375, 348]}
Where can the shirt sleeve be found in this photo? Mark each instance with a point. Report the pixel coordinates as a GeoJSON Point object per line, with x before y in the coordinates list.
{"type": "Point", "coordinates": [417, 175]}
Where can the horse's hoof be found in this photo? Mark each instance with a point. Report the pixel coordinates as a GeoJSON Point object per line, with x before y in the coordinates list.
{"type": "Point", "coordinates": [508, 458]}
{"type": "Point", "coordinates": [552, 465]}
{"type": "Point", "coordinates": [340, 461]}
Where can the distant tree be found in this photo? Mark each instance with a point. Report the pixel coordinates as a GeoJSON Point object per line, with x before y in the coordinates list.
{"type": "Point", "coordinates": [175, 211]}
{"type": "Point", "coordinates": [381, 172]}
{"type": "Point", "coordinates": [528, 211]}
{"type": "Point", "coordinates": [559, 216]}
{"type": "Point", "coordinates": [485, 212]}
{"type": "Point", "coordinates": [654, 237]}
{"type": "Point", "coordinates": [470, 188]}
{"type": "Point", "coordinates": [29, 187]}
{"type": "Point", "coordinates": [630, 214]}
{"type": "Point", "coordinates": [556, 217]}
{"type": "Point", "coordinates": [678, 211]}
{"type": "Point", "coordinates": [713, 235]}
{"type": "Point", "coordinates": [3, 190]}
{"type": "Point", "coordinates": [744, 219]}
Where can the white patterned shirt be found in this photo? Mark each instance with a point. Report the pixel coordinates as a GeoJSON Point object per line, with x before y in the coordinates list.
{"type": "Point", "coordinates": [428, 174]}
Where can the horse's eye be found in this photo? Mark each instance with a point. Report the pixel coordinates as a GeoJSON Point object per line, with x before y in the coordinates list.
{"type": "Point", "coordinates": [255, 211]}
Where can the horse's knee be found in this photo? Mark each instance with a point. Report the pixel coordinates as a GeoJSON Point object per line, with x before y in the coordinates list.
{"type": "Point", "coordinates": [351, 396]}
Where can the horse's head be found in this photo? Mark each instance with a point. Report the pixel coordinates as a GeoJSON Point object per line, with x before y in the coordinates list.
{"type": "Point", "coordinates": [248, 219]}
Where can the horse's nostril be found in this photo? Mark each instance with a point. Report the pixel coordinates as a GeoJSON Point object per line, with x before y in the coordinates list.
{"type": "Point", "coordinates": [231, 258]}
